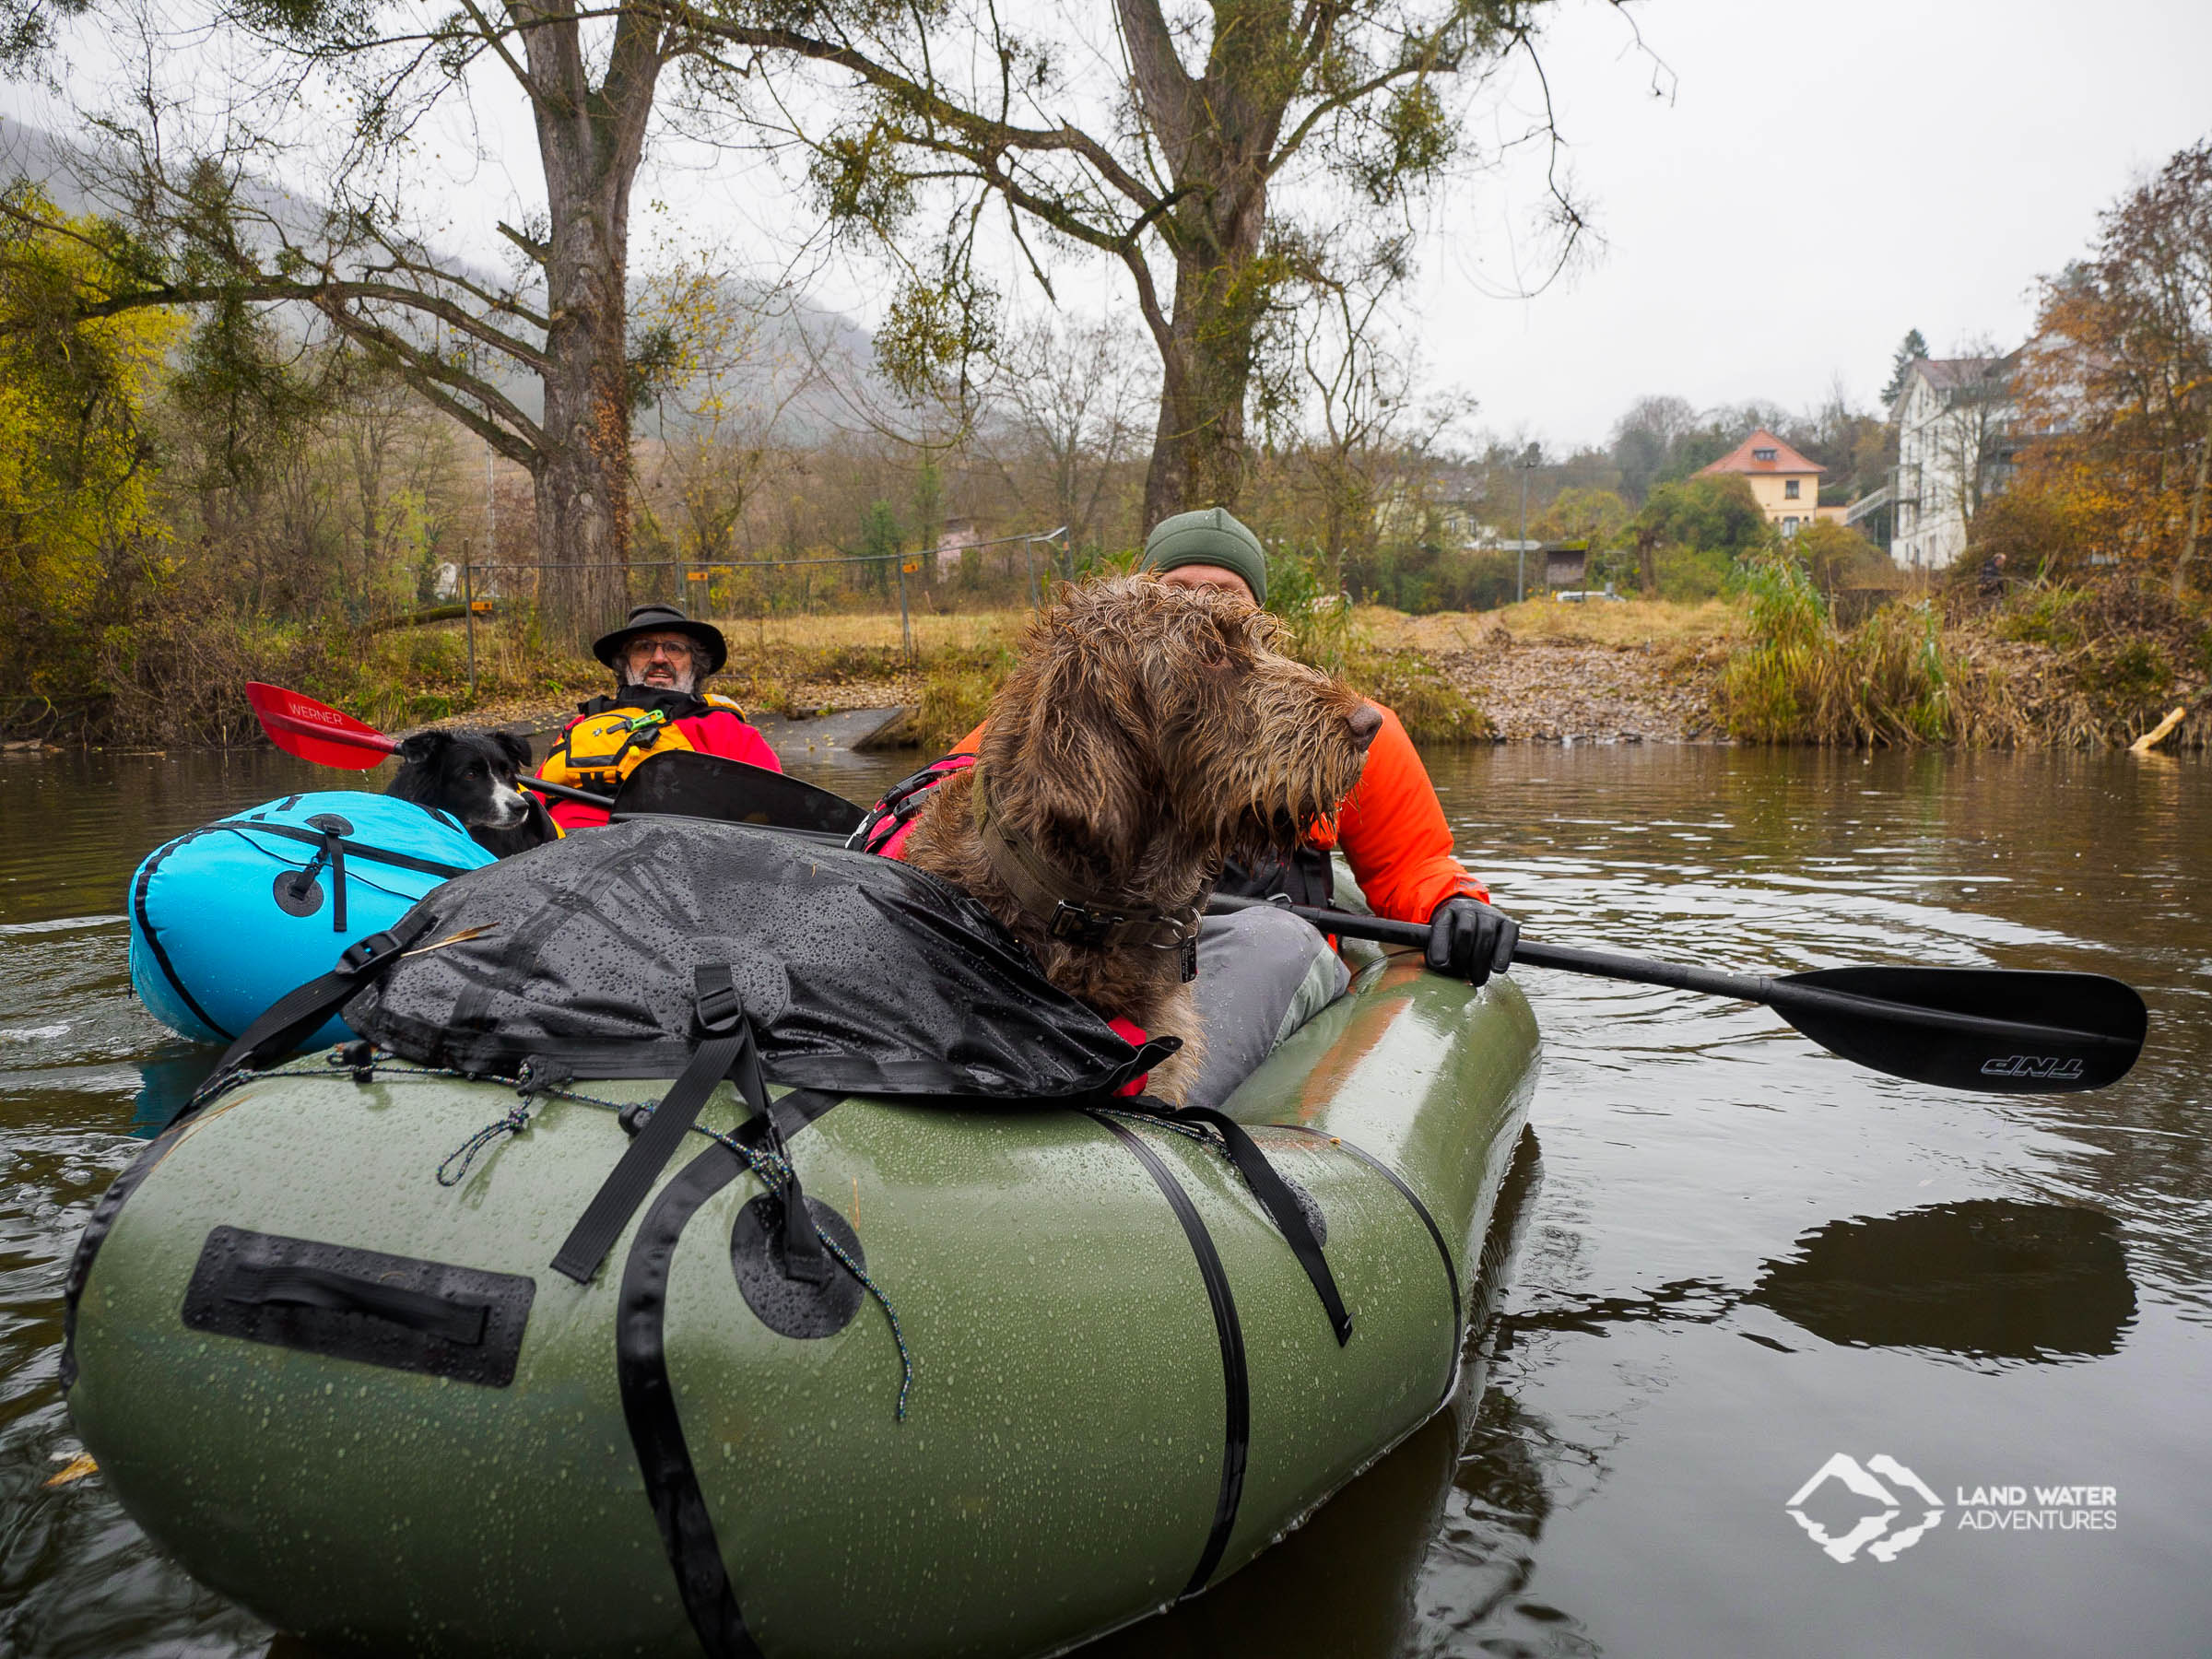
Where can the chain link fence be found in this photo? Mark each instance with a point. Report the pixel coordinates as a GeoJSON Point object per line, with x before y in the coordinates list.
{"type": "Point", "coordinates": [959, 573]}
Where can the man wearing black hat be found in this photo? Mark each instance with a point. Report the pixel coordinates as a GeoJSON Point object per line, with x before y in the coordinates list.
{"type": "Point", "coordinates": [660, 657]}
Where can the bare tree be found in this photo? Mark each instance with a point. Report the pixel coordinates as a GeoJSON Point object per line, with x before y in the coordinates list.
{"type": "Point", "coordinates": [1221, 156]}
{"type": "Point", "coordinates": [1075, 395]}
{"type": "Point", "coordinates": [1352, 422]}
{"type": "Point", "coordinates": [719, 405]}
{"type": "Point", "coordinates": [1968, 437]}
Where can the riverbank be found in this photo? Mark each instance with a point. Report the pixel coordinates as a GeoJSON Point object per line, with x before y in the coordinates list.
{"type": "Point", "coordinates": [2042, 667]}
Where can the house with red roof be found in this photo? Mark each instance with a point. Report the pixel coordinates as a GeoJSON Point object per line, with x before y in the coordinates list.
{"type": "Point", "coordinates": [1785, 485]}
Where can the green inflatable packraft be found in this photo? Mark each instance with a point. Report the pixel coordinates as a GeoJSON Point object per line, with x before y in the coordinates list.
{"type": "Point", "coordinates": [315, 1345]}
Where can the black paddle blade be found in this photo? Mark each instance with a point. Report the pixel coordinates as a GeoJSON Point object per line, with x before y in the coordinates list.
{"type": "Point", "coordinates": [1997, 1030]}
{"type": "Point", "coordinates": [685, 785]}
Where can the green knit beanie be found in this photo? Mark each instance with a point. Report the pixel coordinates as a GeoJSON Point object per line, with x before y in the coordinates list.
{"type": "Point", "coordinates": [1210, 537]}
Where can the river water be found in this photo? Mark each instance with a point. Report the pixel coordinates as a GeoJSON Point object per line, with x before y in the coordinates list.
{"type": "Point", "coordinates": [1728, 1258]}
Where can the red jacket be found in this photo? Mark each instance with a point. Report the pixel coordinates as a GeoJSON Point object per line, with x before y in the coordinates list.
{"type": "Point", "coordinates": [1391, 829]}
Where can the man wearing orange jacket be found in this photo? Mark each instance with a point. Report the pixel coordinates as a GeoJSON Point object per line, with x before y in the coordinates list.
{"type": "Point", "coordinates": [1262, 972]}
{"type": "Point", "coordinates": [1391, 829]}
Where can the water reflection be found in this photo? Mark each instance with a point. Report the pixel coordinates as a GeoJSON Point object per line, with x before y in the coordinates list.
{"type": "Point", "coordinates": [1985, 1279]}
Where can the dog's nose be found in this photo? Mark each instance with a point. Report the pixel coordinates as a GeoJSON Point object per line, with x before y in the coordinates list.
{"type": "Point", "coordinates": [1365, 722]}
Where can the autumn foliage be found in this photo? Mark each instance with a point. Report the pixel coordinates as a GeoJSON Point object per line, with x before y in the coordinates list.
{"type": "Point", "coordinates": [2116, 394]}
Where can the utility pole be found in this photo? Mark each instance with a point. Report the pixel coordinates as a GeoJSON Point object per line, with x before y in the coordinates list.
{"type": "Point", "coordinates": [468, 611]}
{"type": "Point", "coordinates": [1529, 458]}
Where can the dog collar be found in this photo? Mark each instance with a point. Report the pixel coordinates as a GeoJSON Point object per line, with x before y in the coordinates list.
{"type": "Point", "coordinates": [1074, 913]}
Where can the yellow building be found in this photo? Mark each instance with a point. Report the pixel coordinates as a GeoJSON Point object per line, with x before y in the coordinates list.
{"type": "Point", "coordinates": [1785, 484]}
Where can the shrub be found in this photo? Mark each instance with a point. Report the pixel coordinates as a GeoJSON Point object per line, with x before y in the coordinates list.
{"type": "Point", "coordinates": [955, 697]}
{"type": "Point", "coordinates": [1691, 576]}
{"type": "Point", "coordinates": [1432, 708]}
{"type": "Point", "coordinates": [1769, 688]}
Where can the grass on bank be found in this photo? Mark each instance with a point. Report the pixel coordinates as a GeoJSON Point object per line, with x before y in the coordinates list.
{"type": "Point", "coordinates": [1626, 624]}
{"type": "Point", "coordinates": [2046, 666]}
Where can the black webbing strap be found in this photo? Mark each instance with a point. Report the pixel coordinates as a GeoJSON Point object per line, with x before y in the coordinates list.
{"type": "Point", "coordinates": [657, 1432]}
{"type": "Point", "coordinates": [333, 845]}
{"type": "Point", "coordinates": [1236, 1377]}
{"type": "Point", "coordinates": [383, 855]}
{"type": "Point", "coordinates": [293, 1017]}
{"type": "Point", "coordinates": [803, 1257]}
{"type": "Point", "coordinates": [725, 1050]}
{"type": "Point", "coordinates": [1436, 1235]}
{"type": "Point", "coordinates": [1274, 1194]}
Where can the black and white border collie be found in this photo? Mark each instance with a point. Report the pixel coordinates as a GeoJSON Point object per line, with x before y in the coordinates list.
{"type": "Point", "coordinates": [472, 776]}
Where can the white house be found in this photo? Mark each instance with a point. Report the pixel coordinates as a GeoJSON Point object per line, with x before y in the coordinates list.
{"type": "Point", "coordinates": [1955, 445]}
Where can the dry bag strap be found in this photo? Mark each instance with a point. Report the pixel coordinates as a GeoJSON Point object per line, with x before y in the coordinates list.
{"type": "Point", "coordinates": [726, 1051]}
{"type": "Point", "coordinates": [1275, 1196]}
{"type": "Point", "coordinates": [294, 1016]}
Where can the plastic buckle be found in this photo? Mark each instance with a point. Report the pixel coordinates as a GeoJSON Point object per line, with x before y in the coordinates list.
{"type": "Point", "coordinates": [1072, 925]}
{"type": "Point", "coordinates": [715, 993]}
{"type": "Point", "coordinates": [361, 952]}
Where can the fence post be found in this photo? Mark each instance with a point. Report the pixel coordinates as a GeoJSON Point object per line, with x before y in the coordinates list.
{"type": "Point", "coordinates": [1028, 557]}
{"type": "Point", "coordinates": [468, 610]}
{"type": "Point", "coordinates": [906, 626]}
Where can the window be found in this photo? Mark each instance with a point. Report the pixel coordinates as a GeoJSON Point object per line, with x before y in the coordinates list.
{"type": "Point", "coordinates": [1789, 526]}
{"type": "Point", "coordinates": [1789, 490]}
{"type": "Point", "coordinates": [1763, 455]}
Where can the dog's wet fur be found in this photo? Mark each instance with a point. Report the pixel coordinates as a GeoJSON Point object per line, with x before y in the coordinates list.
{"type": "Point", "coordinates": [472, 776]}
{"type": "Point", "coordinates": [1147, 733]}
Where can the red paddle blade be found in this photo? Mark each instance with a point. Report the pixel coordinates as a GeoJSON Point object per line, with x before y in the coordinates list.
{"type": "Point", "coordinates": [314, 731]}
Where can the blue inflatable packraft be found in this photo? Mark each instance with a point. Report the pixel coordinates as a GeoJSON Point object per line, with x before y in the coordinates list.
{"type": "Point", "coordinates": [226, 918]}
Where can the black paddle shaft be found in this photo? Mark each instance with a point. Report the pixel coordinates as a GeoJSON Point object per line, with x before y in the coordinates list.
{"type": "Point", "coordinates": [1983, 1029]}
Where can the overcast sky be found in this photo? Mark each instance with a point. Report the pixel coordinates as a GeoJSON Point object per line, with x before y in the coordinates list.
{"type": "Point", "coordinates": [1825, 177]}
{"type": "Point", "coordinates": [1815, 178]}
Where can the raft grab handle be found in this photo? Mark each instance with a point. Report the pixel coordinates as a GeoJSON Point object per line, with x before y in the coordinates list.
{"type": "Point", "coordinates": [401, 1311]}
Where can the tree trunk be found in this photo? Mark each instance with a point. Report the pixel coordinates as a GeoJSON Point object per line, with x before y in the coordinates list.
{"type": "Point", "coordinates": [589, 142]}
{"type": "Point", "coordinates": [2196, 512]}
{"type": "Point", "coordinates": [1199, 450]}
{"type": "Point", "coordinates": [1216, 133]}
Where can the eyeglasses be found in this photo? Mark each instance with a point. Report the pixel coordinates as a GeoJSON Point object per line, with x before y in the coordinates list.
{"type": "Point", "coordinates": [675, 651]}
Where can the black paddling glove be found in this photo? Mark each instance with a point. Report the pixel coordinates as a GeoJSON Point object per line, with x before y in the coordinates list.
{"type": "Point", "coordinates": [1470, 940]}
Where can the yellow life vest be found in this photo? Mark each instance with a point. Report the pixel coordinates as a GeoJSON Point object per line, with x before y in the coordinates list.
{"type": "Point", "coordinates": [611, 738]}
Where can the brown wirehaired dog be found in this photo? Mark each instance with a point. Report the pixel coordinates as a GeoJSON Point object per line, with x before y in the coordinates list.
{"type": "Point", "coordinates": [1146, 734]}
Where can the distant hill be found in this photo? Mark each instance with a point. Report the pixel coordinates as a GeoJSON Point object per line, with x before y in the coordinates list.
{"type": "Point", "coordinates": [801, 334]}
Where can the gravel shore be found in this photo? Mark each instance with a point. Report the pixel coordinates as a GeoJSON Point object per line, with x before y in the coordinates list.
{"type": "Point", "coordinates": [1548, 692]}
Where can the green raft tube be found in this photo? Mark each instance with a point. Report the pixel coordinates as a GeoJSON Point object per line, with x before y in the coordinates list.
{"type": "Point", "coordinates": [1123, 1385]}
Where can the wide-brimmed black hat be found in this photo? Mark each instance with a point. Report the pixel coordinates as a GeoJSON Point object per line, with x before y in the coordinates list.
{"type": "Point", "coordinates": [664, 618]}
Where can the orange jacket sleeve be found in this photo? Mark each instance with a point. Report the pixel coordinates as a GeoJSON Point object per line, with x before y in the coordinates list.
{"type": "Point", "coordinates": [1392, 832]}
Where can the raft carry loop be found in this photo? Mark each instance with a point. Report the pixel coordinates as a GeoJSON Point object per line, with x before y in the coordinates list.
{"type": "Point", "coordinates": [1273, 1191]}
{"type": "Point", "coordinates": [725, 1050]}
{"type": "Point", "coordinates": [1427, 1220]}
{"type": "Point", "coordinates": [298, 1012]}
{"type": "Point", "coordinates": [1236, 1375]}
